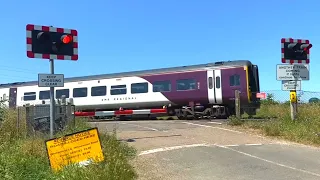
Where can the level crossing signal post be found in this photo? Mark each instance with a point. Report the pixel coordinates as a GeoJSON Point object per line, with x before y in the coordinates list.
{"type": "Point", "coordinates": [47, 42]}
{"type": "Point", "coordinates": [295, 56]}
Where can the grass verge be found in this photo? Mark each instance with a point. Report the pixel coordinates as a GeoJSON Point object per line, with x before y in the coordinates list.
{"type": "Point", "coordinates": [24, 157]}
{"type": "Point", "coordinates": [277, 123]}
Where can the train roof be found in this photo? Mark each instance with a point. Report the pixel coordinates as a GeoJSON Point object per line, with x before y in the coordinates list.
{"type": "Point", "coordinates": [138, 73]}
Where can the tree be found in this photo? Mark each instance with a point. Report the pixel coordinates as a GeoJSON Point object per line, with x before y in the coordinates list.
{"type": "Point", "coordinates": [269, 99]}
{"type": "Point", "coordinates": [314, 100]}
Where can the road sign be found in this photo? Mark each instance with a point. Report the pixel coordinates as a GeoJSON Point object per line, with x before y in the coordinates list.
{"type": "Point", "coordinates": [295, 51]}
{"type": "Point", "coordinates": [50, 80]}
{"type": "Point", "coordinates": [47, 42]}
{"type": "Point", "coordinates": [78, 148]}
{"type": "Point", "coordinates": [292, 72]}
{"type": "Point", "coordinates": [261, 95]}
{"type": "Point", "coordinates": [291, 85]}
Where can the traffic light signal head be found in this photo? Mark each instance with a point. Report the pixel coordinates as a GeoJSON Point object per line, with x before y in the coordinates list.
{"type": "Point", "coordinates": [295, 50]}
{"type": "Point", "coordinates": [51, 43]}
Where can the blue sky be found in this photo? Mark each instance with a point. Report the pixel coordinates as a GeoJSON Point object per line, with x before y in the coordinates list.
{"type": "Point", "coordinates": [117, 36]}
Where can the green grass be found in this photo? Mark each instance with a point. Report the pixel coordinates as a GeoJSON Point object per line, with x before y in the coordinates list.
{"type": "Point", "coordinates": [24, 157]}
{"type": "Point", "coordinates": [278, 122]}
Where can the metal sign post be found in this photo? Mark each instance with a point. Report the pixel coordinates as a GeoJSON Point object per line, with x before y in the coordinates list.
{"type": "Point", "coordinates": [52, 102]}
{"type": "Point", "coordinates": [47, 42]}
{"type": "Point", "coordinates": [296, 52]}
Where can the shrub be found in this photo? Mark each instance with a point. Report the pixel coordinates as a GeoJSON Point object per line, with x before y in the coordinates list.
{"type": "Point", "coordinates": [234, 121]}
{"type": "Point", "coordinates": [24, 157]}
{"type": "Point", "coordinates": [277, 122]}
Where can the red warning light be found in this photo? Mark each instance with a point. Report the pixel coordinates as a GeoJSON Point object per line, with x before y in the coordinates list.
{"type": "Point", "coordinates": [307, 48]}
{"type": "Point", "coordinates": [66, 39]}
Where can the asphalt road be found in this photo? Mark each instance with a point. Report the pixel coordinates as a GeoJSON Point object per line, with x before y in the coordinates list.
{"type": "Point", "coordinates": [204, 150]}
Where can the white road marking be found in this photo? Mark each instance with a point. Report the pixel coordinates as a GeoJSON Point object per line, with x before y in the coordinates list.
{"type": "Point", "coordinates": [201, 125]}
{"type": "Point", "coordinates": [153, 129]}
{"type": "Point", "coordinates": [253, 144]}
{"type": "Point", "coordinates": [272, 162]}
{"type": "Point", "coordinates": [106, 122]}
{"type": "Point", "coordinates": [212, 122]}
{"type": "Point", "coordinates": [151, 151]}
{"type": "Point", "coordinates": [232, 145]}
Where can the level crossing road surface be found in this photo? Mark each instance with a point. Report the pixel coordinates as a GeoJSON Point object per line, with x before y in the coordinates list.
{"type": "Point", "coordinates": [210, 150]}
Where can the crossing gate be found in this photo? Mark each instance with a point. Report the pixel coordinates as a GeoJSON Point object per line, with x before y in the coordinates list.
{"type": "Point", "coordinates": [120, 112]}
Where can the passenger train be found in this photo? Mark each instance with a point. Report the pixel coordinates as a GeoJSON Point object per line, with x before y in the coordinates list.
{"type": "Point", "coordinates": [185, 90]}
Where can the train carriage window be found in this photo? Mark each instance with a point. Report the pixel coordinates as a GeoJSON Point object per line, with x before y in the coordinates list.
{"type": "Point", "coordinates": [161, 86]}
{"type": "Point", "coordinates": [118, 90]}
{"type": "Point", "coordinates": [139, 88]}
{"type": "Point", "coordinates": [44, 95]}
{"type": "Point", "coordinates": [186, 84]}
{"type": "Point", "coordinates": [218, 82]}
{"type": "Point", "coordinates": [210, 83]}
{"type": "Point", "coordinates": [80, 92]}
{"type": "Point", "coordinates": [235, 80]}
{"type": "Point", "coordinates": [99, 91]}
{"type": "Point", "coordinates": [61, 92]}
{"type": "Point", "coordinates": [29, 96]}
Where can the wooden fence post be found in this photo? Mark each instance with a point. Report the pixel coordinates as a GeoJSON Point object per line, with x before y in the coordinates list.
{"type": "Point", "coordinates": [30, 119]}
{"type": "Point", "coordinates": [237, 104]}
{"type": "Point", "coordinates": [63, 111]}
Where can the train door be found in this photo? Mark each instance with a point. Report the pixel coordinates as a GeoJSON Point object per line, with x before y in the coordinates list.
{"type": "Point", "coordinates": [218, 86]}
{"type": "Point", "coordinates": [211, 89]}
{"type": "Point", "coordinates": [12, 97]}
{"type": "Point", "coordinates": [214, 87]}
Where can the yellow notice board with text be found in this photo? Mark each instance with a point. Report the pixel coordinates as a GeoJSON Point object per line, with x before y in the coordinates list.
{"type": "Point", "coordinates": [74, 148]}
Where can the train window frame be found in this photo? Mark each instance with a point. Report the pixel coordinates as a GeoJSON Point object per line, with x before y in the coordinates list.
{"type": "Point", "coordinates": [190, 80]}
{"type": "Point", "coordinates": [145, 85]}
{"type": "Point", "coordinates": [234, 80]}
{"type": "Point", "coordinates": [165, 83]}
{"type": "Point", "coordinates": [76, 95]}
{"type": "Point", "coordinates": [67, 95]}
{"type": "Point", "coordinates": [41, 97]}
{"type": "Point", "coordinates": [29, 94]}
{"type": "Point", "coordinates": [210, 82]}
{"type": "Point", "coordinates": [218, 82]}
{"type": "Point", "coordinates": [95, 95]}
{"type": "Point", "coordinates": [118, 87]}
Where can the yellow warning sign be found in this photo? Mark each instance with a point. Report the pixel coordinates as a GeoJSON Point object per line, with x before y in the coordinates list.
{"type": "Point", "coordinates": [80, 147]}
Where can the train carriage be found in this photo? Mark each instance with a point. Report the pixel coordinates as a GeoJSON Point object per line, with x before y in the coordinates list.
{"type": "Point", "coordinates": [185, 90]}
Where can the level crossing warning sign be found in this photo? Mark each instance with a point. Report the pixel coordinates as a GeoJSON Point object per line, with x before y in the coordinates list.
{"type": "Point", "coordinates": [50, 80]}
{"type": "Point", "coordinates": [81, 147]}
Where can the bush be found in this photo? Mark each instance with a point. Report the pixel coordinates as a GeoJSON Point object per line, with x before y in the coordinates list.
{"type": "Point", "coordinates": [24, 157]}
{"type": "Point", "coordinates": [277, 122]}
{"type": "Point", "coordinates": [234, 121]}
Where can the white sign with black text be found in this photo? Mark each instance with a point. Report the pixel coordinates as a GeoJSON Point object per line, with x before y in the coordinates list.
{"type": "Point", "coordinates": [291, 85]}
{"type": "Point", "coordinates": [293, 72]}
{"type": "Point", "coordinates": [51, 80]}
